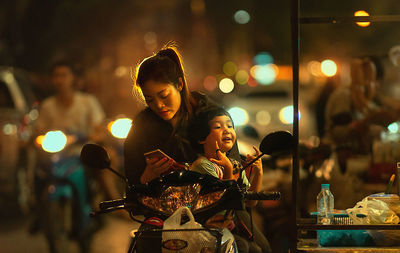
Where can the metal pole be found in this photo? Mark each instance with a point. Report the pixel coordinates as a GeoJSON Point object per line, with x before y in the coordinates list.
{"type": "Point", "coordinates": [295, 69]}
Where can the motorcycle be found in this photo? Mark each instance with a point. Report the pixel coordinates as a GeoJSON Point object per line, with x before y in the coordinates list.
{"type": "Point", "coordinates": [62, 192]}
{"type": "Point", "coordinates": [204, 195]}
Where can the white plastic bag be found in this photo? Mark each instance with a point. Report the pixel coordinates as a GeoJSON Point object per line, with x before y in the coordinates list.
{"type": "Point", "coordinates": [185, 241]}
{"type": "Point", "coordinates": [375, 211]}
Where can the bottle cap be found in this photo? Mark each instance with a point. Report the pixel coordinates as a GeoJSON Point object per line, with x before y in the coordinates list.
{"type": "Point", "coordinates": [325, 186]}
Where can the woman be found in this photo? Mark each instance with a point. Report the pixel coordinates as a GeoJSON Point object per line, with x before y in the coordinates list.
{"type": "Point", "coordinates": [161, 83]}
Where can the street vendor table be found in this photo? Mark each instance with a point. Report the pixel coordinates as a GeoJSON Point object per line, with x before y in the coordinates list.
{"type": "Point", "coordinates": [311, 245]}
{"type": "Point", "coordinates": [296, 20]}
{"type": "Point", "coordinates": [347, 249]}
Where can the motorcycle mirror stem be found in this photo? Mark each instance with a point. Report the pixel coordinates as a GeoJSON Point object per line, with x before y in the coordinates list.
{"type": "Point", "coordinates": [274, 143]}
{"type": "Point", "coordinates": [95, 156]}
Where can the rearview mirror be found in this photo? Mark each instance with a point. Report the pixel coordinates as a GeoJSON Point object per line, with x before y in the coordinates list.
{"type": "Point", "coordinates": [277, 143]}
{"type": "Point", "coordinates": [95, 156]}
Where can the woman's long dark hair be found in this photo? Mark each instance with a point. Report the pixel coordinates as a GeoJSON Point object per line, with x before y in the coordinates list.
{"type": "Point", "coordinates": [165, 66]}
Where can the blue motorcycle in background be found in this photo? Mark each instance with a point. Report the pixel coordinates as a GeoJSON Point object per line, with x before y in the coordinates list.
{"type": "Point", "coordinates": [63, 193]}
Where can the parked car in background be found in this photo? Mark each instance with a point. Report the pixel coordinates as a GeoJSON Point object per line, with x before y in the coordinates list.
{"type": "Point", "coordinates": [17, 113]}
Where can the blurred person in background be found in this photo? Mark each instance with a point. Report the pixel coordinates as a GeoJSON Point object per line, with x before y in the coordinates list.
{"type": "Point", "coordinates": [353, 118]}
{"type": "Point", "coordinates": [80, 117]}
{"type": "Point", "coordinates": [69, 109]}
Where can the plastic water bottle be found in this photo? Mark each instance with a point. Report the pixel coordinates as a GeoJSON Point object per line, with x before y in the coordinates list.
{"type": "Point", "coordinates": [325, 204]}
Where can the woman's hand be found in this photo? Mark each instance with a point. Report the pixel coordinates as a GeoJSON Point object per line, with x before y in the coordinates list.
{"type": "Point", "coordinates": [155, 168]}
{"type": "Point", "coordinates": [223, 161]}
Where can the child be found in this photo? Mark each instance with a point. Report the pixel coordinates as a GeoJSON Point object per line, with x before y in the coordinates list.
{"type": "Point", "coordinates": [213, 136]}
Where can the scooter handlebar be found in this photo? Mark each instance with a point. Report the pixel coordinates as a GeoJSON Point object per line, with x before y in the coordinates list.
{"type": "Point", "coordinates": [264, 195]}
{"type": "Point", "coordinates": [111, 203]}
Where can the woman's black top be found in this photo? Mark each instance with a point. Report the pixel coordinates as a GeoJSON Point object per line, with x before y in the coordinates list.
{"type": "Point", "coordinates": [149, 132]}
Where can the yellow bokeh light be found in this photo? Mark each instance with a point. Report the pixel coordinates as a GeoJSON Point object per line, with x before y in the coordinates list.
{"type": "Point", "coordinates": [241, 77]}
{"type": "Point", "coordinates": [39, 140]}
{"type": "Point", "coordinates": [263, 118]}
{"type": "Point", "coordinates": [314, 67]}
{"type": "Point", "coordinates": [226, 85]}
{"type": "Point", "coordinates": [362, 14]}
{"type": "Point", "coordinates": [253, 71]}
{"type": "Point", "coordinates": [229, 68]}
{"type": "Point", "coordinates": [328, 68]}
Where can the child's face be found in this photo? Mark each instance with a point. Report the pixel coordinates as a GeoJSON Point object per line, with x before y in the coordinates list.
{"type": "Point", "coordinates": [222, 132]}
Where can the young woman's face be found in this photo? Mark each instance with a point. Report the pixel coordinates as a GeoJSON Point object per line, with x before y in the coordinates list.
{"type": "Point", "coordinates": [163, 98]}
{"type": "Point", "coordinates": [222, 132]}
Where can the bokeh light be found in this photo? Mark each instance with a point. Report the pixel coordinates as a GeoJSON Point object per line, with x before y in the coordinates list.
{"type": "Point", "coordinates": [229, 68]}
{"type": "Point", "coordinates": [263, 58]}
{"type": "Point", "coordinates": [226, 85]}
{"type": "Point", "coordinates": [121, 71]}
{"type": "Point", "coordinates": [242, 77]}
{"type": "Point", "coordinates": [286, 115]}
{"type": "Point", "coordinates": [34, 114]}
{"type": "Point", "coordinates": [264, 74]}
{"type": "Point", "coordinates": [393, 128]}
{"type": "Point", "coordinates": [362, 13]}
{"type": "Point", "coordinates": [328, 68]}
{"type": "Point", "coordinates": [150, 41]}
{"type": "Point", "coordinates": [120, 127]}
{"type": "Point", "coordinates": [314, 67]}
{"type": "Point", "coordinates": [54, 141]}
{"type": "Point", "coordinates": [252, 82]}
{"type": "Point", "coordinates": [9, 129]}
{"type": "Point", "coordinates": [241, 17]}
{"type": "Point", "coordinates": [263, 118]}
{"type": "Point", "coordinates": [239, 116]}
{"type": "Point", "coordinates": [210, 83]}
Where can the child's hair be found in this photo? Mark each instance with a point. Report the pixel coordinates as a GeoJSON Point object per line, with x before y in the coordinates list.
{"type": "Point", "coordinates": [199, 125]}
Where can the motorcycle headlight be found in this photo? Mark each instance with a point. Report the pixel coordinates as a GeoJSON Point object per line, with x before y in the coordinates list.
{"type": "Point", "coordinates": [175, 197]}
{"type": "Point", "coordinates": [120, 127]}
{"type": "Point", "coordinates": [208, 199]}
{"type": "Point", "coordinates": [53, 141]}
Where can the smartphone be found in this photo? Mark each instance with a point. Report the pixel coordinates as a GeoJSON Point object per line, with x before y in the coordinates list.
{"type": "Point", "coordinates": [156, 154]}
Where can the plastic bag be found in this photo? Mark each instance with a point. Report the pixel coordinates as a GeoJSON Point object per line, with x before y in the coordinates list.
{"type": "Point", "coordinates": [376, 212]}
{"type": "Point", "coordinates": [185, 241]}
{"type": "Point", "coordinates": [372, 212]}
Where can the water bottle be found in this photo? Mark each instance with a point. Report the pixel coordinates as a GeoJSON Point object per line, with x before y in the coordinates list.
{"type": "Point", "coordinates": [325, 203]}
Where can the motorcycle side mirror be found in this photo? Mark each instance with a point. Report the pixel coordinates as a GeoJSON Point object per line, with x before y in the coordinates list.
{"type": "Point", "coordinates": [95, 156]}
{"type": "Point", "coordinates": [274, 143]}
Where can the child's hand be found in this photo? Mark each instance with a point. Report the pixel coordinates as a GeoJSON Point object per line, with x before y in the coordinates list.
{"type": "Point", "coordinates": [223, 161]}
{"type": "Point", "coordinates": [257, 165]}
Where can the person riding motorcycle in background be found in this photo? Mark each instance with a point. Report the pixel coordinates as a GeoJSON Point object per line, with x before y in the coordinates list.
{"type": "Point", "coordinates": [69, 109]}
{"type": "Point", "coordinates": [78, 115]}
